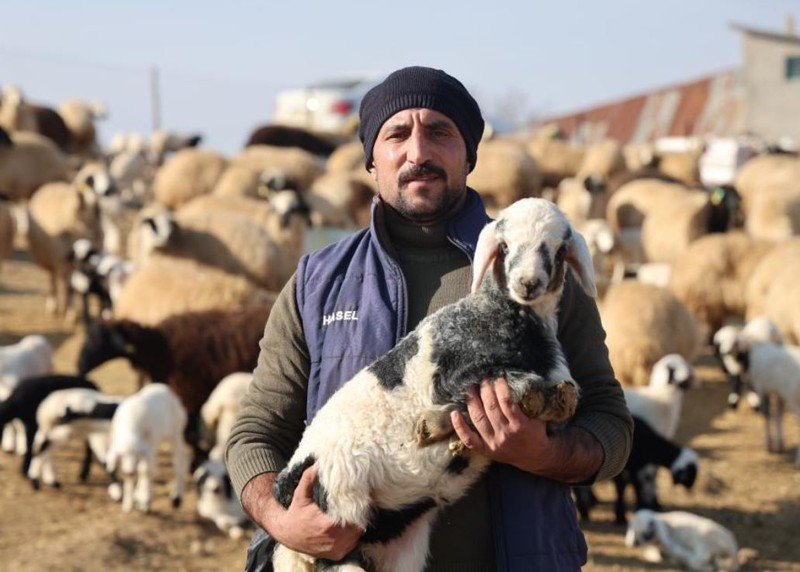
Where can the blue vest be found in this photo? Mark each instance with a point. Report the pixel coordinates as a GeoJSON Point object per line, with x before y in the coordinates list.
{"type": "Point", "coordinates": [352, 301]}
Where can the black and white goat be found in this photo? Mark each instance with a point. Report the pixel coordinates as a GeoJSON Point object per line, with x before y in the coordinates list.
{"type": "Point", "coordinates": [371, 466]}
{"type": "Point", "coordinates": [97, 274]}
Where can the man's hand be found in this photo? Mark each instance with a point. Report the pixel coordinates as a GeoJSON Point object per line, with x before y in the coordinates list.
{"type": "Point", "coordinates": [503, 433]}
{"type": "Point", "coordinates": [303, 526]}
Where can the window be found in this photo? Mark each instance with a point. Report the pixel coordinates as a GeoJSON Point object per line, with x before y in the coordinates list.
{"type": "Point", "coordinates": [793, 68]}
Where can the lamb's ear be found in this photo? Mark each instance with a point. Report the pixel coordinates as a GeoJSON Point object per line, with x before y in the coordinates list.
{"type": "Point", "coordinates": [485, 253]}
{"type": "Point", "coordinates": [579, 257]}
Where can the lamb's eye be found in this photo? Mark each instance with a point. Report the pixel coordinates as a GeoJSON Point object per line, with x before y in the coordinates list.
{"type": "Point", "coordinates": [503, 247]}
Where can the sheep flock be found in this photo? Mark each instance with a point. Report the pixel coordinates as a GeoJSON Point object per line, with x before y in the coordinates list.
{"type": "Point", "coordinates": [118, 249]}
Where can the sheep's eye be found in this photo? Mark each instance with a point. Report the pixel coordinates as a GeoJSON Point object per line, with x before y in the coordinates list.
{"type": "Point", "coordinates": [503, 247]}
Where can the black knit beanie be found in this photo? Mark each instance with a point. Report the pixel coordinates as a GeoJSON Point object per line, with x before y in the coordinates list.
{"type": "Point", "coordinates": [420, 87]}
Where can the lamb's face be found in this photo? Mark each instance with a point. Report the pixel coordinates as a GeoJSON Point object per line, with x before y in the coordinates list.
{"type": "Point", "coordinates": [534, 243]}
{"type": "Point", "coordinates": [641, 529]}
{"type": "Point", "coordinates": [673, 369]}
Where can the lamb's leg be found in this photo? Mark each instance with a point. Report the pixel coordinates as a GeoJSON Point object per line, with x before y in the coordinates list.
{"type": "Point", "coordinates": [51, 302]}
{"type": "Point", "coordinates": [180, 464]}
{"type": "Point", "coordinates": [766, 411]}
{"type": "Point", "coordinates": [434, 426]}
{"type": "Point", "coordinates": [143, 495]}
{"type": "Point", "coordinates": [287, 560]}
{"type": "Point", "coordinates": [620, 483]}
{"type": "Point", "coordinates": [9, 439]}
{"type": "Point", "coordinates": [542, 400]}
{"type": "Point", "coordinates": [778, 420]}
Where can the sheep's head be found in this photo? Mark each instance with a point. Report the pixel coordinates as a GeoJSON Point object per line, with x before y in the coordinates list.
{"type": "Point", "coordinates": [528, 247]}
{"type": "Point", "coordinates": [96, 178]}
{"type": "Point", "coordinates": [104, 341]}
{"type": "Point", "coordinates": [641, 528]}
{"type": "Point", "coordinates": [673, 369]}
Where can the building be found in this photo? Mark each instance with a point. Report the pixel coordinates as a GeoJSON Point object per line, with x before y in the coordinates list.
{"type": "Point", "coordinates": [761, 97]}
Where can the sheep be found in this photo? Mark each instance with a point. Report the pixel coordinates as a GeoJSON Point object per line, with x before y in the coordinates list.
{"type": "Point", "coordinates": [505, 174]}
{"type": "Point", "coordinates": [287, 136]}
{"type": "Point", "coordinates": [71, 413]}
{"type": "Point", "coordinates": [724, 342]}
{"type": "Point", "coordinates": [216, 500]}
{"type": "Point", "coordinates": [688, 539]}
{"type": "Point", "coordinates": [219, 411]}
{"type": "Point", "coordinates": [157, 290]}
{"type": "Point", "coordinates": [186, 174]}
{"type": "Point", "coordinates": [80, 117]}
{"type": "Point", "coordinates": [771, 290]}
{"type": "Point", "coordinates": [16, 113]}
{"type": "Point", "coordinates": [347, 157]}
{"type": "Point", "coordinates": [164, 141]}
{"type": "Point", "coordinates": [59, 214]}
{"type": "Point", "coordinates": [142, 422]}
{"type": "Point", "coordinates": [773, 371]}
{"type": "Point", "coordinates": [97, 274]}
{"type": "Point", "coordinates": [514, 298]}
{"type": "Point", "coordinates": [710, 277]}
{"type": "Point", "coordinates": [190, 352]}
{"type": "Point", "coordinates": [24, 400]}
{"type": "Point", "coordinates": [28, 161]}
{"type": "Point", "coordinates": [233, 242]}
{"type": "Point", "coordinates": [341, 200]}
{"type": "Point", "coordinates": [557, 159]}
{"type": "Point", "coordinates": [602, 161]}
{"type": "Point", "coordinates": [649, 451]}
{"type": "Point", "coordinates": [774, 213]}
{"type": "Point", "coordinates": [766, 171]}
{"type": "Point", "coordinates": [29, 357]}
{"type": "Point", "coordinates": [644, 323]}
{"type": "Point", "coordinates": [298, 166]}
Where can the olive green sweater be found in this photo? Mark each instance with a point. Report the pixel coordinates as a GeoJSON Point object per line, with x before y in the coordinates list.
{"type": "Point", "coordinates": [271, 420]}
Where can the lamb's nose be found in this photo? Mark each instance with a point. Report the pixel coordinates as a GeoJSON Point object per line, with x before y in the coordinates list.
{"type": "Point", "coordinates": [532, 287]}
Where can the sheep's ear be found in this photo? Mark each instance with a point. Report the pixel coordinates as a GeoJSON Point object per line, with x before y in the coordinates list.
{"type": "Point", "coordinates": [579, 257]}
{"type": "Point", "coordinates": [485, 253]}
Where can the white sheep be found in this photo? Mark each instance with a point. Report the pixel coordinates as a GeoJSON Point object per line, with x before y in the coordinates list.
{"type": "Point", "coordinates": [688, 539]}
{"type": "Point", "coordinates": [66, 414]}
{"type": "Point", "coordinates": [660, 402]}
{"type": "Point", "coordinates": [298, 166]}
{"type": "Point", "coordinates": [187, 174]}
{"type": "Point", "coordinates": [216, 500]}
{"type": "Point", "coordinates": [505, 173]}
{"type": "Point", "coordinates": [219, 411]}
{"type": "Point", "coordinates": [644, 323]}
{"type": "Point", "coordinates": [28, 161]}
{"type": "Point", "coordinates": [371, 463]}
{"type": "Point", "coordinates": [142, 422]}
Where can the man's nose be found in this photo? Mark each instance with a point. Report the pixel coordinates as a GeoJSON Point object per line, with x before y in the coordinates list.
{"type": "Point", "coordinates": [418, 150]}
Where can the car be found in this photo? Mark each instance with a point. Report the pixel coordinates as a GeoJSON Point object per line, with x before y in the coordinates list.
{"type": "Point", "coordinates": [329, 107]}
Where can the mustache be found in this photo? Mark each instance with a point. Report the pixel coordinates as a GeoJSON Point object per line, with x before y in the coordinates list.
{"type": "Point", "coordinates": [420, 171]}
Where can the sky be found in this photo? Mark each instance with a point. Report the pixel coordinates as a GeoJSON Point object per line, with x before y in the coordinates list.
{"type": "Point", "coordinates": [220, 63]}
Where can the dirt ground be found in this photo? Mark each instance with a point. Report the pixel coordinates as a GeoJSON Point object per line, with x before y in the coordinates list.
{"type": "Point", "coordinates": [78, 528]}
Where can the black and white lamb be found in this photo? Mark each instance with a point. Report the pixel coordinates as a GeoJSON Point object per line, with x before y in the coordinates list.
{"type": "Point", "coordinates": [391, 471]}
{"type": "Point", "coordinates": [24, 401]}
{"type": "Point", "coordinates": [649, 451]}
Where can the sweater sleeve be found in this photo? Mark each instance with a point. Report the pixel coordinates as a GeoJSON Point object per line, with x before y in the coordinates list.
{"type": "Point", "coordinates": [271, 420]}
{"type": "Point", "coordinates": [602, 410]}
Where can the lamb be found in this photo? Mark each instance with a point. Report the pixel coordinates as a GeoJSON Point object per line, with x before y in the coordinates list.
{"type": "Point", "coordinates": [644, 323]}
{"type": "Point", "coordinates": [191, 353]}
{"type": "Point", "coordinates": [660, 402]}
{"type": "Point", "coordinates": [649, 451]}
{"type": "Point", "coordinates": [726, 351]}
{"type": "Point", "coordinates": [216, 500]}
{"type": "Point", "coordinates": [97, 274]}
{"type": "Point", "coordinates": [142, 422]}
{"type": "Point", "coordinates": [28, 161]}
{"type": "Point", "coordinates": [24, 400]}
{"type": "Point", "coordinates": [30, 357]}
{"type": "Point", "coordinates": [219, 411]}
{"type": "Point", "coordinates": [519, 272]}
{"type": "Point", "coordinates": [69, 414]}
{"type": "Point", "coordinates": [710, 277]}
{"type": "Point", "coordinates": [772, 370]}
{"type": "Point", "coordinates": [688, 539]}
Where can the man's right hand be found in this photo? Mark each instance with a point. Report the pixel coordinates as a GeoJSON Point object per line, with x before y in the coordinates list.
{"type": "Point", "coordinates": [303, 526]}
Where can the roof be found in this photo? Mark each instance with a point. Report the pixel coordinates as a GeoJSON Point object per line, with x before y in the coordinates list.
{"type": "Point", "coordinates": [781, 37]}
{"type": "Point", "coordinates": [711, 104]}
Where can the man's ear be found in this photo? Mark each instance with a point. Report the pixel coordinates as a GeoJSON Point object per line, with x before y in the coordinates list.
{"type": "Point", "coordinates": [373, 173]}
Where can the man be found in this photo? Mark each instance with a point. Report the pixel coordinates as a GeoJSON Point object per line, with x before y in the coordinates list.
{"type": "Point", "coordinates": [352, 301]}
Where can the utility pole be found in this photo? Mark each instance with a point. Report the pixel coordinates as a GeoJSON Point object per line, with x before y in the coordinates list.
{"type": "Point", "coordinates": [155, 99]}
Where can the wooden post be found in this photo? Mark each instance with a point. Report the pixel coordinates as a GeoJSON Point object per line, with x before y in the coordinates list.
{"type": "Point", "coordinates": [155, 99]}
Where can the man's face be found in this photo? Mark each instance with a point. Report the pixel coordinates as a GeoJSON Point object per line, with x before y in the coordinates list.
{"type": "Point", "coordinates": [420, 164]}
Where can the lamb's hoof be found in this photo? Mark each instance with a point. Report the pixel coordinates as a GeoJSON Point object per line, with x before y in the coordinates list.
{"type": "Point", "coordinates": [115, 492]}
{"type": "Point", "coordinates": [176, 502]}
{"type": "Point", "coordinates": [56, 485]}
{"type": "Point", "coordinates": [556, 403]}
{"type": "Point", "coordinates": [433, 427]}
{"type": "Point", "coordinates": [35, 484]}
{"type": "Point", "coordinates": [457, 447]}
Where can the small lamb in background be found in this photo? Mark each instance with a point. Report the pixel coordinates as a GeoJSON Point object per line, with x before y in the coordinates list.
{"type": "Point", "coordinates": [693, 541]}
